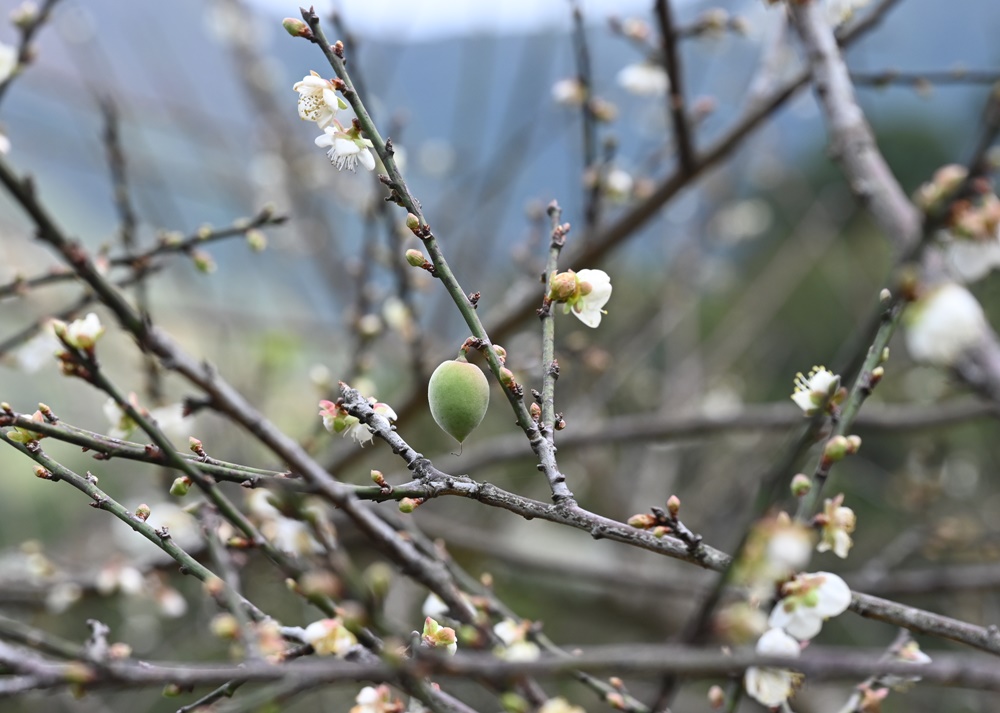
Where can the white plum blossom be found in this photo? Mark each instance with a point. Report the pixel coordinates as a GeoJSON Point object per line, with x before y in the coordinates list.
{"type": "Point", "coordinates": [317, 100]}
{"type": "Point", "coordinates": [435, 636]}
{"type": "Point", "coordinates": [772, 686]}
{"type": "Point", "coordinates": [908, 653]}
{"type": "Point", "coordinates": [971, 259]}
{"type": "Point", "coordinates": [944, 323]}
{"type": "Point", "coordinates": [559, 705]}
{"type": "Point", "coordinates": [593, 292]}
{"type": "Point", "coordinates": [329, 637]}
{"type": "Point", "coordinates": [8, 61]}
{"type": "Point", "coordinates": [811, 391]}
{"type": "Point", "coordinates": [516, 646]}
{"type": "Point", "coordinates": [81, 333]}
{"type": "Point", "coordinates": [435, 607]}
{"type": "Point", "coordinates": [346, 148]}
{"type": "Point", "coordinates": [644, 79]}
{"type": "Point", "coordinates": [618, 184]}
{"type": "Point", "coordinates": [376, 699]}
{"type": "Point", "coordinates": [337, 420]}
{"type": "Point", "coordinates": [810, 599]}
{"type": "Point", "coordinates": [569, 92]}
{"type": "Point", "coordinates": [121, 425]}
{"type": "Point", "coordinates": [836, 525]}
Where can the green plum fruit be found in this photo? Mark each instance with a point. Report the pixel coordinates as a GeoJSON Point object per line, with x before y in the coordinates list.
{"type": "Point", "coordinates": [458, 394]}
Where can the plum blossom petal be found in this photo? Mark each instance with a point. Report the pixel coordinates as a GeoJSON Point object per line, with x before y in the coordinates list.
{"type": "Point", "coordinates": [594, 292]}
{"type": "Point", "coordinates": [811, 391]}
{"type": "Point", "coordinates": [772, 686]}
{"type": "Point", "coordinates": [943, 324]}
{"type": "Point", "coordinates": [812, 598]}
{"type": "Point", "coordinates": [644, 79]}
{"type": "Point", "coordinates": [317, 100]}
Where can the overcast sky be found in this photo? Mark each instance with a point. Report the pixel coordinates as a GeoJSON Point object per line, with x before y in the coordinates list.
{"type": "Point", "coordinates": [429, 19]}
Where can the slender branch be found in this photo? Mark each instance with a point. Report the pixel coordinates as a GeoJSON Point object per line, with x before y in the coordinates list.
{"type": "Point", "coordinates": [400, 194]}
{"type": "Point", "coordinates": [53, 470]}
{"type": "Point", "coordinates": [675, 94]}
{"type": "Point", "coordinates": [25, 50]}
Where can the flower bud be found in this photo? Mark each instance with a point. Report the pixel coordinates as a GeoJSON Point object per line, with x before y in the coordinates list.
{"type": "Point", "coordinates": [564, 287]}
{"type": "Point", "coordinates": [415, 258]}
{"type": "Point", "coordinates": [535, 411]}
{"type": "Point", "coordinates": [256, 240]}
{"type": "Point", "coordinates": [412, 222]}
{"type": "Point", "coordinates": [24, 15]}
{"type": "Point", "coordinates": [294, 27]}
{"type": "Point", "coordinates": [225, 626]}
{"type": "Point", "coordinates": [673, 505]}
{"type": "Point", "coordinates": [801, 485]}
{"type": "Point", "coordinates": [836, 448]}
{"type": "Point", "coordinates": [203, 262]}
{"type": "Point", "coordinates": [853, 444]}
{"type": "Point", "coordinates": [42, 473]}
{"type": "Point", "coordinates": [408, 505]}
{"type": "Point", "coordinates": [716, 697]}
{"type": "Point", "coordinates": [142, 512]}
{"type": "Point", "coordinates": [643, 521]}
{"type": "Point", "coordinates": [180, 487]}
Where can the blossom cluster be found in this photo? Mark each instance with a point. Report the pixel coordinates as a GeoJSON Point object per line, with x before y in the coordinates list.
{"type": "Point", "coordinates": [319, 103]}
{"type": "Point", "coordinates": [337, 420]}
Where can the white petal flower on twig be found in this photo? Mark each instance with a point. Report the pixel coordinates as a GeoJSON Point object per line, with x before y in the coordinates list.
{"type": "Point", "coordinates": [943, 324]}
{"type": "Point", "coordinates": [772, 686]}
{"type": "Point", "coordinates": [811, 599]}
{"type": "Point", "coordinates": [317, 100]}
{"type": "Point", "coordinates": [8, 61]}
{"type": "Point", "coordinates": [346, 149]}
{"type": "Point", "coordinates": [644, 79]}
{"type": "Point", "coordinates": [594, 291]}
{"type": "Point", "coordinates": [811, 391]}
{"type": "Point", "coordinates": [329, 637]}
{"type": "Point", "coordinates": [837, 523]}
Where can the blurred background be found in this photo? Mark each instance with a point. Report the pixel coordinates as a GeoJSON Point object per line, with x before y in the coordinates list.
{"type": "Point", "coordinates": [763, 268]}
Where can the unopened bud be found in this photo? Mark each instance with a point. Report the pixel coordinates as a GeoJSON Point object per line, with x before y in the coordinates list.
{"type": "Point", "coordinates": [196, 445]}
{"type": "Point", "coordinates": [203, 262]}
{"type": "Point", "coordinates": [643, 521]}
{"type": "Point", "coordinates": [853, 444]}
{"type": "Point", "coordinates": [535, 410]}
{"type": "Point", "coordinates": [885, 355]}
{"type": "Point", "coordinates": [884, 296]}
{"type": "Point", "coordinates": [412, 222]}
{"type": "Point", "coordinates": [171, 690]}
{"type": "Point", "coordinates": [43, 473]}
{"type": "Point", "coordinates": [500, 352]}
{"type": "Point", "coordinates": [415, 258]}
{"type": "Point", "coordinates": [225, 626]}
{"type": "Point", "coordinates": [256, 240]}
{"type": "Point", "coordinates": [180, 487]}
{"type": "Point", "coordinates": [660, 531]}
{"type": "Point", "coordinates": [801, 485]}
{"type": "Point", "coordinates": [716, 697]}
{"type": "Point", "coordinates": [294, 27]}
{"type": "Point", "coordinates": [142, 512]}
{"type": "Point", "coordinates": [506, 377]}
{"type": "Point", "coordinates": [564, 287]}
{"type": "Point", "coordinates": [673, 505]}
{"type": "Point", "coordinates": [408, 505]}
{"type": "Point", "coordinates": [836, 448]}
{"type": "Point", "coordinates": [876, 376]}
{"type": "Point", "coordinates": [24, 15]}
